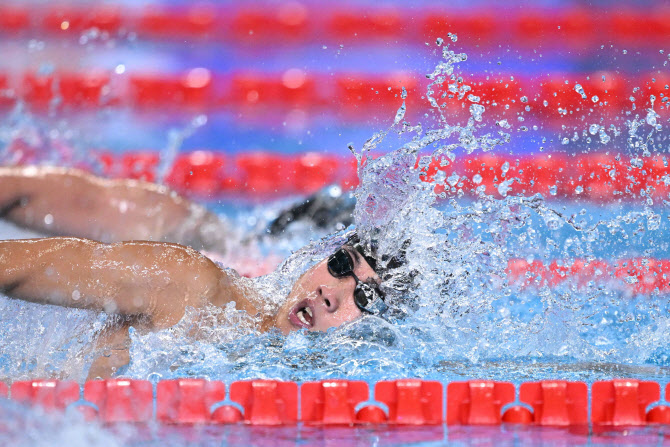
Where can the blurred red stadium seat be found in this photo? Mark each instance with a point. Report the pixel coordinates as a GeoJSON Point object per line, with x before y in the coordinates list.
{"type": "Point", "coordinates": [199, 172]}
{"type": "Point", "coordinates": [540, 174]}
{"type": "Point", "coordinates": [312, 171]}
{"type": "Point", "coordinates": [372, 24]}
{"type": "Point", "coordinates": [199, 20]}
{"type": "Point", "coordinates": [639, 28]}
{"type": "Point", "coordinates": [599, 176]}
{"type": "Point", "coordinates": [557, 28]}
{"type": "Point", "coordinates": [481, 171]}
{"type": "Point", "coordinates": [285, 24]}
{"type": "Point", "coordinates": [658, 85]}
{"type": "Point", "coordinates": [75, 19]}
{"type": "Point", "coordinates": [192, 89]}
{"type": "Point", "coordinates": [264, 173]}
{"type": "Point", "coordinates": [609, 88]}
{"type": "Point", "coordinates": [360, 94]}
{"type": "Point", "coordinates": [82, 88]}
{"type": "Point", "coordinates": [476, 27]}
{"type": "Point", "coordinates": [496, 94]}
{"type": "Point", "coordinates": [13, 19]}
{"type": "Point", "coordinates": [7, 94]}
{"type": "Point", "coordinates": [38, 90]}
{"type": "Point", "coordinates": [294, 89]}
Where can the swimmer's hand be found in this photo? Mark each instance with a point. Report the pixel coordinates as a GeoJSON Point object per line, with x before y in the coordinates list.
{"type": "Point", "coordinates": [71, 202]}
{"type": "Point", "coordinates": [155, 281]}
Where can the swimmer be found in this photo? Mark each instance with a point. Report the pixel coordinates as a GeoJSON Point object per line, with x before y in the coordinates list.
{"type": "Point", "coordinates": [71, 202]}
{"type": "Point", "coordinates": [150, 283]}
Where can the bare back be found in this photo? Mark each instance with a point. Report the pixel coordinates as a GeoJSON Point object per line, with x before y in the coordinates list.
{"type": "Point", "coordinates": [138, 278]}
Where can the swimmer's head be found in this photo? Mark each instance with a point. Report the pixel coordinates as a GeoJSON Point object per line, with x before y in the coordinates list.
{"type": "Point", "coordinates": [339, 289]}
{"type": "Point", "coordinates": [352, 281]}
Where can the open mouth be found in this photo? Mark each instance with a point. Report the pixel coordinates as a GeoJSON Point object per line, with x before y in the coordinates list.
{"type": "Point", "coordinates": [302, 315]}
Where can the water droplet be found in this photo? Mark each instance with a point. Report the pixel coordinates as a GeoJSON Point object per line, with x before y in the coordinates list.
{"type": "Point", "coordinates": [453, 179]}
{"type": "Point", "coordinates": [579, 89]}
{"type": "Point", "coordinates": [400, 114]}
{"type": "Point", "coordinates": [476, 110]}
{"type": "Point", "coordinates": [505, 167]}
{"type": "Point", "coordinates": [477, 179]}
{"type": "Point", "coordinates": [579, 189]}
{"type": "Point", "coordinates": [653, 221]}
{"type": "Point", "coordinates": [595, 99]}
{"type": "Point", "coordinates": [593, 129]}
{"type": "Point", "coordinates": [604, 138]}
{"type": "Point", "coordinates": [652, 117]}
{"type": "Point", "coordinates": [552, 190]}
{"type": "Point", "coordinates": [524, 99]}
{"type": "Point", "coordinates": [505, 187]}
{"type": "Point", "coordinates": [439, 41]}
{"type": "Point", "coordinates": [631, 279]}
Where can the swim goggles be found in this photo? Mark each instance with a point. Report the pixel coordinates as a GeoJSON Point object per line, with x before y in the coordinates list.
{"type": "Point", "coordinates": [368, 299]}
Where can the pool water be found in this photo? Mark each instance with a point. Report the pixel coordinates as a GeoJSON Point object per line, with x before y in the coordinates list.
{"type": "Point", "coordinates": [462, 315]}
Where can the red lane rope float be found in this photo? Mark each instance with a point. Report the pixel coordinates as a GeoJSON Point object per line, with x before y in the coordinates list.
{"type": "Point", "coordinates": [350, 96]}
{"type": "Point", "coordinates": [294, 22]}
{"type": "Point", "coordinates": [553, 403]}
{"type": "Point", "coordinates": [593, 177]}
{"type": "Point", "coordinates": [639, 275]}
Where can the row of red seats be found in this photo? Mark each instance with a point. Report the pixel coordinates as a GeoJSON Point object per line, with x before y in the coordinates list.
{"type": "Point", "coordinates": [622, 402]}
{"type": "Point", "coordinates": [640, 275]}
{"type": "Point", "coordinates": [596, 176]}
{"type": "Point", "coordinates": [294, 22]}
{"type": "Point", "coordinates": [349, 95]}
{"type": "Point", "coordinates": [258, 174]}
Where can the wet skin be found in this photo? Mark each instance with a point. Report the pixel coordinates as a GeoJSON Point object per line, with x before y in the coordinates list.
{"type": "Point", "coordinates": [71, 202]}
{"type": "Point", "coordinates": [320, 301]}
{"type": "Point", "coordinates": [150, 284]}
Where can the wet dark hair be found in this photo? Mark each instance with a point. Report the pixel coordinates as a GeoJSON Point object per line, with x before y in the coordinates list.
{"type": "Point", "coordinates": [397, 282]}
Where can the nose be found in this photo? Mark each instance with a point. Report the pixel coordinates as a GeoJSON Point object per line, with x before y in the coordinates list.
{"type": "Point", "coordinates": [330, 297]}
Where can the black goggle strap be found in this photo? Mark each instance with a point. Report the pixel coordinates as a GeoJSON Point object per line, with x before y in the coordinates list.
{"type": "Point", "coordinates": [374, 302]}
{"type": "Point", "coordinates": [371, 301]}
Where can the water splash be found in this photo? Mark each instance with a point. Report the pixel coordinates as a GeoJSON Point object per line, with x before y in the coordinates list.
{"type": "Point", "coordinates": [176, 139]}
{"type": "Point", "coordinates": [456, 310]}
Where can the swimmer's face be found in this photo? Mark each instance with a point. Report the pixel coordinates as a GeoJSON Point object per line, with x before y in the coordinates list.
{"type": "Point", "coordinates": [320, 301]}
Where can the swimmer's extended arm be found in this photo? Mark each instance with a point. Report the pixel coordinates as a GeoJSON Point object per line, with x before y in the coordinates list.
{"type": "Point", "coordinates": [147, 279]}
{"type": "Point", "coordinates": [71, 202]}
